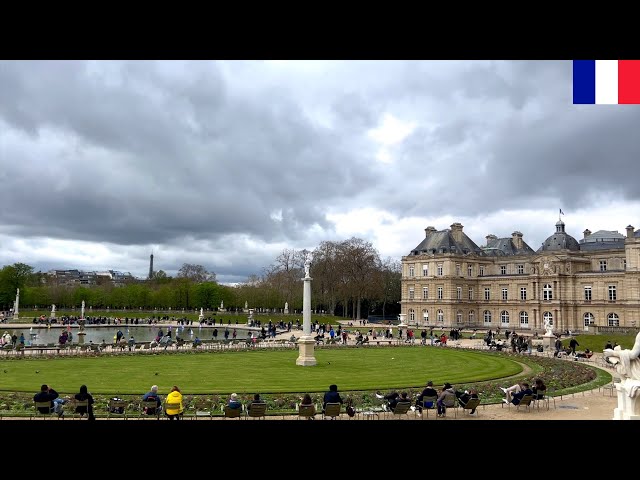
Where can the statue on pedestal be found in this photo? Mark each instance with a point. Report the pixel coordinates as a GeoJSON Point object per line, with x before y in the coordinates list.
{"type": "Point", "coordinates": [307, 264]}
{"type": "Point", "coordinates": [548, 328]}
{"type": "Point", "coordinates": [627, 362]}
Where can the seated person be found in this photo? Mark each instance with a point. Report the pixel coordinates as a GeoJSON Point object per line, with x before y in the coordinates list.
{"type": "Point", "coordinates": [446, 397]}
{"type": "Point", "coordinates": [392, 400]}
{"type": "Point", "coordinates": [150, 396]}
{"type": "Point", "coordinates": [429, 391]}
{"type": "Point", "coordinates": [464, 397]}
{"type": "Point", "coordinates": [82, 396]}
{"type": "Point", "coordinates": [510, 391]}
{"type": "Point", "coordinates": [256, 399]}
{"type": "Point", "coordinates": [539, 389]}
{"type": "Point", "coordinates": [332, 396]}
{"type": "Point", "coordinates": [524, 390]}
{"type": "Point", "coordinates": [234, 403]}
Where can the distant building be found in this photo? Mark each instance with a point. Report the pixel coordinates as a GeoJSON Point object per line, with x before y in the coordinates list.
{"type": "Point", "coordinates": [80, 277]}
{"type": "Point", "coordinates": [449, 281]}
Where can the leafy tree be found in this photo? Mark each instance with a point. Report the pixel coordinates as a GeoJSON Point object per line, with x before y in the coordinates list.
{"type": "Point", "coordinates": [196, 273]}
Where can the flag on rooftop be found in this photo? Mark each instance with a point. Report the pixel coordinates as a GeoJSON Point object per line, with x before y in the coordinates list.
{"type": "Point", "coordinates": [606, 82]}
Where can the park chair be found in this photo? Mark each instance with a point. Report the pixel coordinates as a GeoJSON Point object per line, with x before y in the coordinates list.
{"type": "Point", "coordinates": [450, 402]}
{"type": "Point", "coordinates": [402, 408]}
{"type": "Point", "coordinates": [541, 396]}
{"type": "Point", "coordinates": [471, 405]}
{"type": "Point", "coordinates": [256, 410]}
{"type": "Point", "coordinates": [84, 404]}
{"type": "Point", "coordinates": [172, 406]}
{"type": "Point", "coordinates": [232, 412]}
{"type": "Point", "coordinates": [525, 402]}
{"type": "Point", "coordinates": [44, 405]}
{"type": "Point", "coordinates": [428, 403]}
{"type": "Point", "coordinates": [332, 410]}
{"type": "Point", "coordinates": [117, 408]}
{"type": "Point", "coordinates": [306, 411]}
{"type": "Point", "coordinates": [149, 405]}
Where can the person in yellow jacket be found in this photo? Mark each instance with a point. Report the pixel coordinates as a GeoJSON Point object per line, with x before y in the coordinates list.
{"type": "Point", "coordinates": [174, 397]}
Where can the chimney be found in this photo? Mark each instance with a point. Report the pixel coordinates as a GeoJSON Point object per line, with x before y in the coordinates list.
{"type": "Point", "coordinates": [516, 238]}
{"type": "Point", "coordinates": [630, 230]}
{"type": "Point", "coordinates": [490, 237]}
{"type": "Point", "coordinates": [586, 233]}
{"type": "Point", "coordinates": [456, 231]}
{"type": "Point", "coordinates": [429, 230]}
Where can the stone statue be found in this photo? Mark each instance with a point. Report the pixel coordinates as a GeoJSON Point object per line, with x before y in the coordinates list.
{"type": "Point", "coordinates": [307, 264]}
{"type": "Point", "coordinates": [221, 303]}
{"type": "Point", "coordinates": [286, 305]}
{"type": "Point", "coordinates": [53, 308]}
{"type": "Point", "coordinates": [548, 328]}
{"type": "Point", "coordinates": [82, 310]}
{"type": "Point", "coordinates": [246, 305]}
{"type": "Point", "coordinates": [627, 361]}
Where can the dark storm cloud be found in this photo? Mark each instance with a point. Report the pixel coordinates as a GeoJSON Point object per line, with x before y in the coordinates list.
{"type": "Point", "coordinates": [157, 155]}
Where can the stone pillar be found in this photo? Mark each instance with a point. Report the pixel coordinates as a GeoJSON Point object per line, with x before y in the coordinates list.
{"type": "Point", "coordinates": [628, 407]}
{"type": "Point", "coordinates": [306, 343]}
{"type": "Point", "coordinates": [16, 306]}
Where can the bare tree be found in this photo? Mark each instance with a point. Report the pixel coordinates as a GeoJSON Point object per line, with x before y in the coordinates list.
{"type": "Point", "coordinates": [196, 273]}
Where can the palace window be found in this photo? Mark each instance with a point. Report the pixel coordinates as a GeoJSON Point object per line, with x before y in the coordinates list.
{"type": "Point", "coordinates": [613, 320]}
{"type": "Point", "coordinates": [470, 293]}
{"type": "Point", "coordinates": [587, 293]}
{"type": "Point", "coordinates": [524, 319]}
{"type": "Point", "coordinates": [439, 269]}
{"type": "Point", "coordinates": [412, 315]}
{"type": "Point", "coordinates": [471, 317]}
{"type": "Point", "coordinates": [603, 265]}
{"type": "Point", "coordinates": [503, 269]}
{"type": "Point", "coordinates": [612, 293]}
{"type": "Point", "coordinates": [425, 293]}
{"type": "Point", "coordinates": [425, 269]}
{"type": "Point", "coordinates": [459, 293]}
{"type": "Point", "coordinates": [520, 269]}
{"type": "Point", "coordinates": [440, 316]}
{"type": "Point", "coordinates": [523, 293]}
{"type": "Point", "coordinates": [411, 270]}
{"type": "Point", "coordinates": [487, 293]}
{"type": "Point", "coordinates": [487, 316]}
{"type": "Point", "coordinates": [425, 316]}
{"type": "Point", "coordinates": [505, 294]}
{"type": "Point", "coordinates": [481, 274]}
{"type": "Point", "coordinates": [458, 270]}
{"type": "Point", "coordinates": [459, 316]}
{"type": "Point", "coordinates": [469, 271]}
{"type": "Point", "coordinates": [504, 317]}
{"type": "Point", "coordinates": [589, 319]}
{"type": "Point", "coordinates": [439, 293]}
{"type": "Point", "coordinates": [410, 293]}
{"type": "Point", "coordinates": [547, 292]}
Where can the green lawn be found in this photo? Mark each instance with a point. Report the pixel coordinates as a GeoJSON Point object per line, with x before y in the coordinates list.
{"type": "Point", "coordinates": [263, 371]}
{"type": "Point", "coordinates": [596, 343]}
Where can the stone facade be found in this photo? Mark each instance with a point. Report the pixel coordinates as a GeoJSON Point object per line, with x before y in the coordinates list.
{"type": "Point", "coordinates": [448, 281]}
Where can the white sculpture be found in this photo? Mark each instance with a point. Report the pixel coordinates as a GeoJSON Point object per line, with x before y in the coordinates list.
{"type": "Point", "coordinates": [286, 305]}
{"type": "Point", "coordinates": [53, 308]}
{"type": "Point", "coordinates": [548, 328]}
{"type": "Point", "coordinates": [307, 264]}
{"type": "Point", "coordinates": [201, 312]}
{"type": "Point", "coordinates": [82, 310]}
{"type": "Point", "coordinates": [222, 304]}
{"type": "Point", "coordinates": [627, 361]}
{"type": "Point", "coordinates": [246, 305]}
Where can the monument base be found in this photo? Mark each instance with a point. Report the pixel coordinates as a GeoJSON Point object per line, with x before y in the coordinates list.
{"type": "Point", "coordinates": [306, 344]}
{"type": "Point", "coordinates": [628, 400]}
{"type": "Point", "coordinates": [549, 342]}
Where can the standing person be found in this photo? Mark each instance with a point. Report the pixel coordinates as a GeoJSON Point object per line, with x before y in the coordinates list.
{"type": "Point", "coordinates": [558, 346]}
{"type": "Point", "coordinates": [174, 397]}
{"type": "Point", "coordinates": [82, 396]}
{"type": "Point", "coordinates": [423, 336]}
{"type": "Point", "coordinates": [573, 344]}
{"type": "Point", "coordinates": [150, 396]}
{"type": "Point", "coordinates": [332, 396]}
{"type": "Point", "coordinates": [47, 394]}
{"type": "Point", "coordinates": [132, 342]}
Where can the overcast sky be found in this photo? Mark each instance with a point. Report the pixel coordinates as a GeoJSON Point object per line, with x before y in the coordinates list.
{"type": "Point", "coordinates": [225, 164]}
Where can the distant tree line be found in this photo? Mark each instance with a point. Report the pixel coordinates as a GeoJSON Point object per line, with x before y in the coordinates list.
{"type": "Point", "coordinates": [349, 279]}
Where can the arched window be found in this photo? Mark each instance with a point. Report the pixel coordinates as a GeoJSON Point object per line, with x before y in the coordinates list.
{"type": "Point", "coordinates": [613, 320]}
{"type": "Point", "coordinates": [412, 315]}
{"type": "Point", "coordinates": [524, 319]}
{"type": "Point", "coordinates": [425, 315]}
{"type": "Point", "coordinates": [504, 317]}
{"type": "Point", "coordinates": [471, 317]}
{"type": "Point", "coordinates": [459, 316]}
{"type": "Point", "coordinates": [589, 319]}
{"type": "Point", "coordinates": [548, 316]}
{"type": "Point", "coordinates": [547, 292]}
{"type": "Point", "coordinates": [487, 316]}
{"type": "Point", "coordinates": [440, 315]}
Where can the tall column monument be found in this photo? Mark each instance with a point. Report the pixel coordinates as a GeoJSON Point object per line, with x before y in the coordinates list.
{"type": "Point", "coordinates": [16, 306]}
{"type": "Point", "coordinates": [306, 342]}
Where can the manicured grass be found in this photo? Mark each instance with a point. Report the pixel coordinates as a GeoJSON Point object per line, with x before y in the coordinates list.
{"type": "Point", "coordinates": [596, 343]}
{"type": "Point", "coordinates": [263, 371]}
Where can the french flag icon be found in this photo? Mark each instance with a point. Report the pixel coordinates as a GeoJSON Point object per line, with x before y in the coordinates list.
{"type": "Point", "coordinates": [606, 82]}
